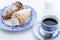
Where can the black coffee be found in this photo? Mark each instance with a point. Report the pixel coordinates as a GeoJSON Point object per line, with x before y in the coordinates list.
{"type": "Point", "coordinates": [50, 21]}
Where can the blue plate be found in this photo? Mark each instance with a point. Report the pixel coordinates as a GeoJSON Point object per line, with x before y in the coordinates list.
{"type": "Point", "coordinates": [22, 27]}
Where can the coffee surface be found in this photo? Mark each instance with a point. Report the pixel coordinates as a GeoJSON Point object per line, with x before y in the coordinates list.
{"type": "Point", "coordinates": [50, 21]}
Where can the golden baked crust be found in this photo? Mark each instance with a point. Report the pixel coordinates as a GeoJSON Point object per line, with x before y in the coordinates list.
{"type": "Point", "coordinates": [20, 18]}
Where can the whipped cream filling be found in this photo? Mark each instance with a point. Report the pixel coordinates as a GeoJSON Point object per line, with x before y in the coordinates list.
{"type": "Point", "coordinates": [14, 21]}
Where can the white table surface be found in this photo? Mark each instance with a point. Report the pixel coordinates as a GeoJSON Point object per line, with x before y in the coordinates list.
{"type": "Point", "coordinates": [27, 34]}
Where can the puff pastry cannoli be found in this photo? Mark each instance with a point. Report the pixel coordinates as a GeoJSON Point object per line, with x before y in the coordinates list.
{"type": "Point", "coordinates": [22, 16]}
{"type": "Point", "coordinates": [11, 9]}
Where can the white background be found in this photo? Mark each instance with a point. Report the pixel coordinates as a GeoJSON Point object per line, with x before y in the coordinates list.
{"type": "Point", "coordinates": [27, 34]}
